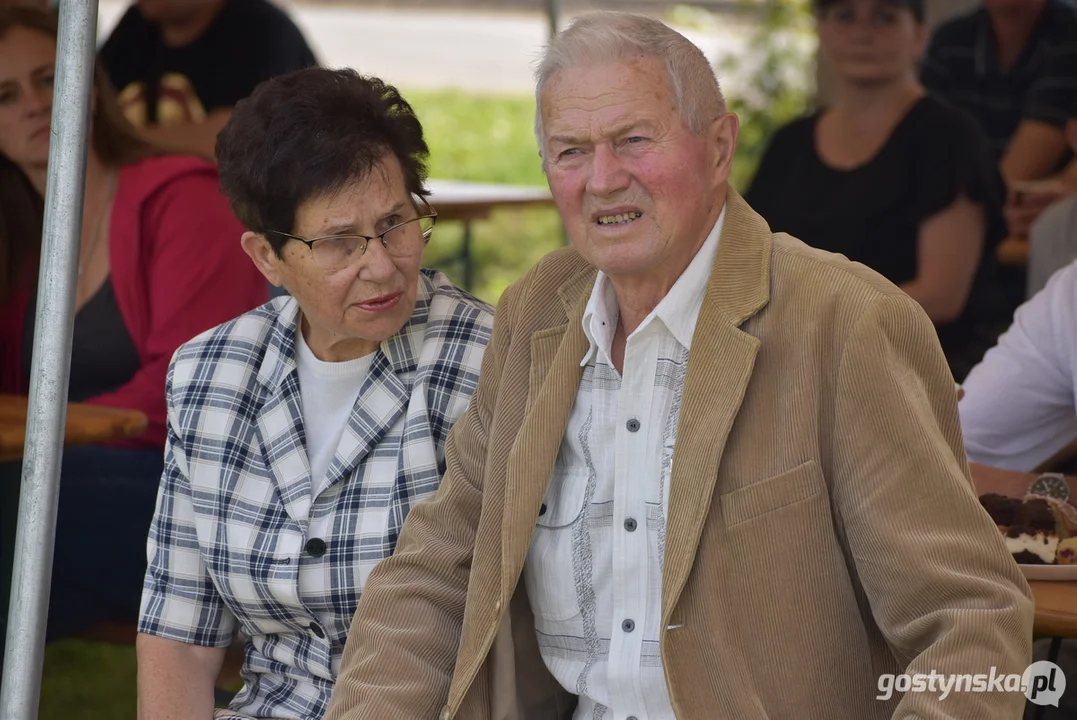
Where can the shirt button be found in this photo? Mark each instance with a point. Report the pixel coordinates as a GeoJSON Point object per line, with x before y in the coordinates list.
{"type": "Point", "coordinates": [632, 425]}
{"type": "Point", "coordinates": [631, 717]}
{"type": "Point", "coordinates": [316, 547]}
{"type": "Point", "coordinates": [317, 630]}
{"type": "Point", "coordinates": [628, 625]}
{"type": "Point", "coordinates": [630, 524]}
{"type": "Point", "coordinates": [542, 510]}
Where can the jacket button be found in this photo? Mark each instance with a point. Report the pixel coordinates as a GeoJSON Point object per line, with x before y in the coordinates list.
{"type": "Point", "coordinates": [317, 630]}
{"type": "Point", "coordinates": [316, 547]}
{"type": "Point", "coordinates": [445, 715]}
{"type": "Point", "coordinates": [542, 510]}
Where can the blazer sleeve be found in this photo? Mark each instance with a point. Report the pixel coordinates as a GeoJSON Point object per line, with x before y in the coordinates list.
{"type": "Point", "coordinates": [944, 590]}
{"type": "Point", "coordinates": [401, 650]}
{"type": "Point", "coordinates": [197, 277]}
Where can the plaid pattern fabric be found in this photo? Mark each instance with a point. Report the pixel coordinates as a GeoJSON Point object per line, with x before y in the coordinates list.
{"type": "Point", "coordinates": [233, 545]}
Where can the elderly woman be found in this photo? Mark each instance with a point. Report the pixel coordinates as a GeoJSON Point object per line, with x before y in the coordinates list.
{"type": "Point", "coordinates": [300, 434]}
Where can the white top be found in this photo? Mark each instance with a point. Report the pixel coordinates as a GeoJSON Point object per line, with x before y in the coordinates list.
{"type": "Point", "coordinates": [328, 391]}
{"type": "Point", "coordinates": [1019, 405]}
{"type": "Point", "coordinates": [594, 568]}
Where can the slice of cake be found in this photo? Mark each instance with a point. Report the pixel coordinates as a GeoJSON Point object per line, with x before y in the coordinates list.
{"type": "Point", "coordinates": [1067, 552]}
{"type": "Point", "coordinates": [1030, 546]}
{"type": "Point", "coordinates": [1030, 527]}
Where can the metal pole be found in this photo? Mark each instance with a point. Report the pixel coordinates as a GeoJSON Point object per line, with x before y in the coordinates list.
{"type": "Point", "coordinates": [25, 648]}
{"type": "Point", "coordinates": [553, 14]}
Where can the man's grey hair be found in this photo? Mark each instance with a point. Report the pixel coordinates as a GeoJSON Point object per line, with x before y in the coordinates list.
{"type": "Point", "coordinates": [601, 37]}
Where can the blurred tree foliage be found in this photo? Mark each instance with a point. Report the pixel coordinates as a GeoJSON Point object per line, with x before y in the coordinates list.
{"type": "Point", "coordinates": [775, 77]}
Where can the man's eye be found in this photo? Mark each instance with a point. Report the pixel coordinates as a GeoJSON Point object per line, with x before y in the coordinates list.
{"type": "Point", "coordinates": [635, 139]}
{"type": "Point", "coordinates": [566, 153]}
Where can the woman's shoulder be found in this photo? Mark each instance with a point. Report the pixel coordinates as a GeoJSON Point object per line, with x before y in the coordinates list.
{"type": "Point", "coordinates": [238, 347]}
{"type": "Point", "coordinates": [937, 122]}
{"type": "Point", "coordinates": [447, 300]}
{"type": "Point", "coordinates": [140, 182]}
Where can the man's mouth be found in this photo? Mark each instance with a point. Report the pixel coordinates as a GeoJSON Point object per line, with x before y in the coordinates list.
{"type": "Point", "coordinates": [619, 219]}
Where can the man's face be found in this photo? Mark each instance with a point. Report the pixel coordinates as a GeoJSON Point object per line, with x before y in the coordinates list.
{"type": "Point", "coordinates": [637, 191]}
{"type": "Point", "coordinates": [172, 10]}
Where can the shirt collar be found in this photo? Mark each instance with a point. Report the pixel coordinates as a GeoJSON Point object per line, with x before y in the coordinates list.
{"type": "Point", "coordinates": [678, 310]}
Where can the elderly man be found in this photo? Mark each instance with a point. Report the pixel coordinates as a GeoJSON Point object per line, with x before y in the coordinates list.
{"type": "Point", "coordinates": [708, 473]}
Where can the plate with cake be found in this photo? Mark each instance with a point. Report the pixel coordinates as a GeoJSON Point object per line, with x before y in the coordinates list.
{"type": "Point", "coordinates": [1041, 534]}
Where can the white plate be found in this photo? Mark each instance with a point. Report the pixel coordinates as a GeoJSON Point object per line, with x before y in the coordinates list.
{"type": "Point", "coordinates": [1049, 572]}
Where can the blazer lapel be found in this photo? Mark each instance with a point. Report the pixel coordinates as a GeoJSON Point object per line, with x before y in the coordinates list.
{"type": "Point", "coordinates": [719, 369]}
{"type": "Point", "coordinates": [554, 381]}
{"type": "Point", "coordinates": [279, 421]}
{"type": "Point", "coordinates": [384, 395]}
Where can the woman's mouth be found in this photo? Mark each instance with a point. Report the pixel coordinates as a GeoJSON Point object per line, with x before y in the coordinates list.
{"type": "Point", "coordinates": [380, 303]}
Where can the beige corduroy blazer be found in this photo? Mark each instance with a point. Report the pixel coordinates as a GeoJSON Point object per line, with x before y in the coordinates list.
{"type": "Point", "coordinates": [822, 527]}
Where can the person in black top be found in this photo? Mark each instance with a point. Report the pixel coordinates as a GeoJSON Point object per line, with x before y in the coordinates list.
{"type": "Point", "coordinates": [1013, 65]}
{"type": "Point", "coordinates": [180, 66]}
{"type": "Point", "coordinates": [891, 177]}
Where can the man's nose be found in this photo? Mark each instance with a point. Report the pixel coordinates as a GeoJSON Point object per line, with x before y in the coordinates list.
{"type": "Point", "coordinates": [608, 173]}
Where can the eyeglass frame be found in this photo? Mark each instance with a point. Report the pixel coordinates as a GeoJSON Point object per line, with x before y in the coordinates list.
{"type": "Point", "coordinates": [367, 239]}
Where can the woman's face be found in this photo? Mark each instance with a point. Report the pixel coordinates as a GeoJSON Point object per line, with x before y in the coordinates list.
{"type": "Point", "coordinates": [351, 304]}
{"type": "Point", "coordinates": [27, 60]}
{"type": "Point", "coordinates": [870, 41]}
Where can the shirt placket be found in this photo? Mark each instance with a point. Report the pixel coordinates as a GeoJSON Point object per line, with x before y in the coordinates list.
{"type": "Point", "coordinates": [633, 437]}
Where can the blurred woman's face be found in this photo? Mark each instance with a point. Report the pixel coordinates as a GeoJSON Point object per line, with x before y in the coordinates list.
{"type": "Point", "coordinates": [870, 41]}
{"type": "Point", "coordinates": [352, 300]}
{"type": "Point", "coordinates": [27, 66]}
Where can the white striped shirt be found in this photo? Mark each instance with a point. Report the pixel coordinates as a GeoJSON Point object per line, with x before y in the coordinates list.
{"type": "Point", "coordinates": [594, 568]}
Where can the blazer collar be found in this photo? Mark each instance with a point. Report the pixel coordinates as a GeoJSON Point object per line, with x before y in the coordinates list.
{"type": "Point", "coordinates": [383, 397]}
{"type": "Point", "coordinates": [719, 369]}
{"type": "Point", "coordinates": [739, 283]}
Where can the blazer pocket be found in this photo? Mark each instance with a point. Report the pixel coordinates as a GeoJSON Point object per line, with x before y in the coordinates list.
{"type": "Point", "coordinates": [792, 486]}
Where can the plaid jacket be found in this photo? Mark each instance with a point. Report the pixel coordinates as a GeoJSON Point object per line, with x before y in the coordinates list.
{"type": "Point", "coordinates": [230, 548]}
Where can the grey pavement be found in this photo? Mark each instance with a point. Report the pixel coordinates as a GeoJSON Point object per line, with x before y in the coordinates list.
{"type": "Point", "coordinates": [482, 50]}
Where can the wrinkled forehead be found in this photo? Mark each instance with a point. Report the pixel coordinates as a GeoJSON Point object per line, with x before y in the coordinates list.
{"type": "Point", "coordinates": [604, 94]}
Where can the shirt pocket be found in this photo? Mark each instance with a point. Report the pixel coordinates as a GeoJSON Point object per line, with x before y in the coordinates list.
{"type": "Point", "coordinates": [550, 569]}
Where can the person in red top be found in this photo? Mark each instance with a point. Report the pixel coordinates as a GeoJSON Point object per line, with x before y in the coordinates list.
{"type": "Point", "coordinates": [160, 262]}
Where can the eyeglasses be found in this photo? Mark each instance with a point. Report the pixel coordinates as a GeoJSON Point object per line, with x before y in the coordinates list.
{"type": "Point", "coordinates": [336, 252]}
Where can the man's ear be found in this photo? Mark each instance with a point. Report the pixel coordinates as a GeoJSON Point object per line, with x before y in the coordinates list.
{"type": "Point", "coordinates": [724, 131]}
{"type": "Point", "coordinates": [263, 256]}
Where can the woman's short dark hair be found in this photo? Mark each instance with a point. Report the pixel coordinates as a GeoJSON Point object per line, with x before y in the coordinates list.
{"type": "Point", "coordinates": [916, 7]}
{"type": "Point", "coordinates": [308, 134]}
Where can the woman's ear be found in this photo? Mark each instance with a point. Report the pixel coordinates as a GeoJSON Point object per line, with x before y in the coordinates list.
{"type": "Point", "coordinates": [263, 256]}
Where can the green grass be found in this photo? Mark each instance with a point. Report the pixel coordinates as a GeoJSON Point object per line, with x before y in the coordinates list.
{"type": "Point", "coordinates": [487, 139]}
{"type": "Point", "coordinates": [88, 681]}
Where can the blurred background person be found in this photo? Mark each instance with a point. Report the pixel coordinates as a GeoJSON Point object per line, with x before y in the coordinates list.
{"type": "Point", "coordinates": [892, 177]}
{"type": "Point", "coordinates": [1052, 235]}
{"type": "Point", "coordinates": [181, 65]}
{"type": "Point", "coordinates": [1013, 65]}
{"type": "Point", "coordinates": [335, 402]}
{"type": "Point", "coordinates": [160, 262]}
